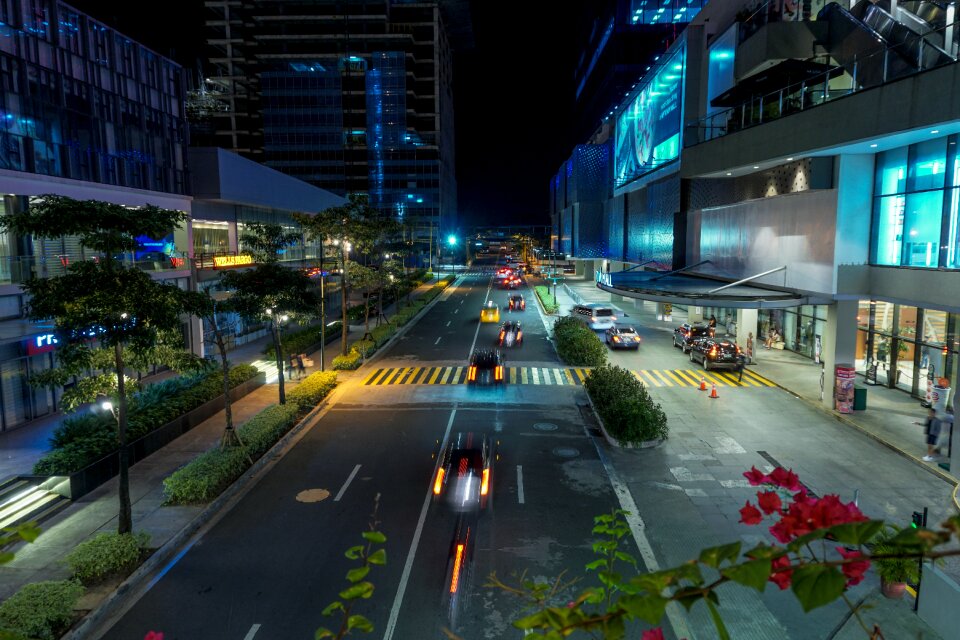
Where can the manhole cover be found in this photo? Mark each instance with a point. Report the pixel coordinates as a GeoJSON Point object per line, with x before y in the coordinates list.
{"type": "Point", "coordinates": [545, 426]}
{"type": "Point", "coordinates": [566, 452]}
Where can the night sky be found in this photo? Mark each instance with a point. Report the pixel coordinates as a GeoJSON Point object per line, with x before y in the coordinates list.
{"type": "Point", "coordinates": [513, 96]}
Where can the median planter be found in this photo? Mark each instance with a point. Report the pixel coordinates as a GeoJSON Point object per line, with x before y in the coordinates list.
{"type": "Point", "coordinates": [628, 416]}
{"type": "Point", "coordinates": [613, 442]}
{"type": "Point", "coordinates": [577, 345]}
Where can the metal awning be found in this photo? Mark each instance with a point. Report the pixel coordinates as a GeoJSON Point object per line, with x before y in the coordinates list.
{"type": "Point", "coordinates": [779, 76]}
{"type": "Point", "coordinates": [701, 291]}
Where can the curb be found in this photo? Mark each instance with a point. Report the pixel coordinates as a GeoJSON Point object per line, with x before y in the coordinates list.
{"type": "Point", "coordinates": [132, 586]}
{"type": "Point", "coordinates": [839, 417]}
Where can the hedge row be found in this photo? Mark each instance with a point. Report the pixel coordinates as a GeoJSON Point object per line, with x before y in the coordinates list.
{"type": "Point", "coordinates": [203, 479]}
{"type": "Point", "coordinates": [628, 412]}
{"type": "Point", "coordinates": [82, 439]}
{"type": "Point", "coordinates": [547, 299]}
{"type": "Point", "coordinates": [577, 344]}
{"type": "Point", "coordinates": [380, 335]}
{"type": "Point", "coordinates": [42, 610]}
{"type": "Point", "coordinates": [301, 341]}
{"type": "Point", "coordinates": [106, 555]}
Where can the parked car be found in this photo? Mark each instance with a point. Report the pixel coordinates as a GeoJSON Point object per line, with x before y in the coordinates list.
{"type": "Point", "coordinates": [596, 315]}
{"type": "Point", "coordinates": [714, 353]}
{"type": "Point", "coordinates": [622, 338]}
{"type": "Point", "coordinates": [685, 334]}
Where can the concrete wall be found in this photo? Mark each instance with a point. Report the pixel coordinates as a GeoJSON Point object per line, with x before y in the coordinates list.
{"type": "Point", "coordinates": [744, 239]}
{"type": "Point", "coordinates": [929, 288]}
{"type": "Point", "coordinates": [939, 601]}
{"type": "Point", "coordinates": [854, 204]}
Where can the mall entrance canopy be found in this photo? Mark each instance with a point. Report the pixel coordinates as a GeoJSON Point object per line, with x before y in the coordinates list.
{"type": "Point", "coordinates": [690, 289]}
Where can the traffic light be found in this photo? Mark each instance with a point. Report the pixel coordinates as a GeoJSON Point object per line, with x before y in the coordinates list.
{"type": "Point", "coordinates": [919, 520]}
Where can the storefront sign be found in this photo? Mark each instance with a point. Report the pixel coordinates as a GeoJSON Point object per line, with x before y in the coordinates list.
{"type": "Point", "coordinates": [232, 261]}
{"type": "Point", "coordinates": [41, 344]}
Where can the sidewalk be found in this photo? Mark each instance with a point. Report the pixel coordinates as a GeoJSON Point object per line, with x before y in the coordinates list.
{"type": "Point", "coordinates": [97, 511]}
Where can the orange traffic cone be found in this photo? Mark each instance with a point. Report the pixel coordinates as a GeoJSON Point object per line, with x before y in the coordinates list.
{"type": "Point", "coordinates": [713, 392]}
{"type": "Point", "coordinates": [703, 384]}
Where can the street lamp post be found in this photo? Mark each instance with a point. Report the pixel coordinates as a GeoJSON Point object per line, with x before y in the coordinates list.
{"type": "Point", "coordinates": [452, 241]}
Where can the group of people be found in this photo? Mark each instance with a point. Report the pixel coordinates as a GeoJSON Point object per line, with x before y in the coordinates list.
{"type": "Point", "coordinates": [297, 364]}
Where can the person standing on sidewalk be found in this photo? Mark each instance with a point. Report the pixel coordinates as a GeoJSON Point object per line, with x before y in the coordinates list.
{"type": "Point", "coordinates": [749, 349]}
{"type": "Point", "coordinates": [291, 366]}
{"type": "Point", "coordinates": [931, 427]}
{"type": "Point", "coordinates": [301, 367]}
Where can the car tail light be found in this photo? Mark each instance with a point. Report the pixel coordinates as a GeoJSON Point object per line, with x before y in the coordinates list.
{"type": "Point", "coordinates": [616, 338]}
{"type": "Point", "coordinates": [519, 335]}
{"type": "Point", "coordinates": [457, 562]}
{"type": "Point", "coordinates": [498, 373]}
{"type": "Point", "coordinates": [438, 483]}
{"type": "Point", "coordinates": [485, 482]}
{"type": "Point", "coordinates": [472, 374]}
{"type": "Point", "coordinates": [738, 349]}
{"type": "Point", "coordinates": [501, 335]}
{"type": "Point", "coordinates": [713, 352]}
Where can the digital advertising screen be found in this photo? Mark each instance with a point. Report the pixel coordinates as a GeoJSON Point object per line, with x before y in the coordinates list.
{"type": "Point", "coordinates": [648, 130]}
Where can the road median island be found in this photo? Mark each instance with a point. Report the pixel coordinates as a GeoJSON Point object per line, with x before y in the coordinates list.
{"type": "Point", "coordinates": [577, 345]}
{"type": "Point", "coordinates": [547, 300]}
{"type": "Point", "coordinates": [628, 415]}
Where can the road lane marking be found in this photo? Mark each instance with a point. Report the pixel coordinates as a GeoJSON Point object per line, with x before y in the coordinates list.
{"type": "Point", "coordinates": [679, 381]}
{"type": "Point", "coordinates": [689, 376]}
{"type": "Point", "coordinates": [476, 333]}
{"type": "Point", "coordinates": [650, 379]}
{"type": "Point", "coordinates": [347, 483]}
{"type": "Point", "coordinates": [448, 322]}
{"type": "Point", "coordinates": [456, 310]}
{"type": "Point", "coordinates": [408, 565]}
{"type": "Point", "coordinates": [663, 377]}
{"type": "Point", "coordinates": [534, 375]}
{"type": "Point", "coordinates": [252, 632]}
{"type": "Point", "coordinates": [372, 376]}
{"type": "Point", "coordinates": [519, 484]}
{"type": "Point", "coordinates": [435, 375]}
{"type": "Point", "coordinates": [437, 342]}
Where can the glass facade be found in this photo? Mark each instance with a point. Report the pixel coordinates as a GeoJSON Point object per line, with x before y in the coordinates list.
{"type": "Point", "coordinates": [668, 12]}
{"type": "Point", "coordinates": [915, 206]}
{"type": "Point", "coordinates": [908, 345]}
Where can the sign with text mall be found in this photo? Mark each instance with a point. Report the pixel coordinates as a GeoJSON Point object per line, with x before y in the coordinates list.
{"type": "Point", "coordinates": [231, 261]}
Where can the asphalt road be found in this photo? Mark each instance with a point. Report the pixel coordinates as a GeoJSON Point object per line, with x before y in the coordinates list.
{"type": "Point", "coordinates": [267, 569]}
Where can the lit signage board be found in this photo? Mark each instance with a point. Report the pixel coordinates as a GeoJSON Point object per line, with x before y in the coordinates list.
{"type": "Point", "coordinates": [232, 261]}
{"type": "Point", "coordinates": [41, 344]}
{"type": "Point", "coordinates": [648, 130]}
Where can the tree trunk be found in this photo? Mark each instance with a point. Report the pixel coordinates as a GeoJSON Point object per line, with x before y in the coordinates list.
{"type": "Point", "coordinates": [380, 305]}
{"type": "Point", "coordinates": [275, 327]}
{"type": "Point", "coordinates": [125, 517]}
{"type": "Point", "coordinates": [229, 437]}
{"type": "Point", "coordinates": [366, 315]}
{"type": "Point", "coordinates": [343, 302]}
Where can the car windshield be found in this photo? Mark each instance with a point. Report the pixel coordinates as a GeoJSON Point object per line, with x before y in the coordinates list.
{"type": "Point", "coordinates": [603, 312]}
{"type": "Point", "coordinates": [627, 330]}
{"type": "Point", "coordinates": [485, 360]}
{"type": "Point", "coordinates": [699, 331]}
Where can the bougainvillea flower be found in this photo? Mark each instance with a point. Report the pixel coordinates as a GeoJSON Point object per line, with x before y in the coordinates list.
{"type": "Point", "coordinates": [784, 478]}
{"type": "Point", "coordinates": [780, 575]}
{"type": "Point", "coordinates": [854, 571]}
{"type": "Point", "coordinates": [749, 514]}
{"type": "Point", "coordinates": [652, 634]}
{"type": "Point", "coordinates": [153, 635]}
{"type": "Point", "coordinates": [755, 477]}
{"type": "Point", "coordinates": [769, 501]}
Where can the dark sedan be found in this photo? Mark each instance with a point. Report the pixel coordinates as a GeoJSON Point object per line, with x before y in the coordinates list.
{"type": "Point", "coordinates": [463, 478]}
{"type": "Point", "coordinates": [714, 353]}
{"type": "Point", "coordinates": [622, 338]}
{"type": "Point", "coordinates": [486, 367]}
{"type": "Point", "coordinates": [516, 302]}
{"type": "Point", "coordinates": [511, 335]}
{"type": "Point", "coordinates": [685, 334]}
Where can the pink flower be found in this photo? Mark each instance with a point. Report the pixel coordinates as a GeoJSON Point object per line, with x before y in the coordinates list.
{"type": "Point", "coordinates": [755, 477]}
{"type": "Point", "coordinates": [854, 571]}
{"type": "Point", "coordinates": [781, 575]}
{"type": "Point", "coordinates": [153, 635]}
{"type": "Point", "coordinates": [652, 634]}
{"type": "Point", "coordinates": [749, 514]}
{"type": "Point", "coordinates": [769, 501]}
{"type": "Point", "coordinates": [785, 478]}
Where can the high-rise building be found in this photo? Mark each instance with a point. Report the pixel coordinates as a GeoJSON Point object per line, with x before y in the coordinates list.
{"type": "Point", "coordinates": [353, 97]}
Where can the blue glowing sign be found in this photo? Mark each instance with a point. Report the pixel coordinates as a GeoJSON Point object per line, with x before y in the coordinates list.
{"type": "Point", "coordinates": [648, 130]}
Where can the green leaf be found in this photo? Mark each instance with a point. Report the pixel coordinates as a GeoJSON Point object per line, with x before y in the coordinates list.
{"type": "Point", "coordinates": [649, 608]}
{"type": "Point", "coordinates": [817, 585]}
{"type": "Point", "coordinates": [688, 596]}
{"type": "Point", "coordinates": [626, 557]}
{"type": "Point", "coordinates": [322, 633]}
{"type": "Point", "coordinates": [799, 543]}
{"type": "Point", "coordinates": [5, 557]}
{"type": "Point", "coordinates": [856, 533]}
{"type": "Point", "coordinates": [378, 557]}
{"type": "Point", "coordinates": [358, 574]}
{"type": "Point", "coordinates": [375, 537]}
{"type": "Point", "coordinates": [533, 621]}
{"type": "Point", "coordinates": [715, 556]}
{"type": "Point", "coordinates": [602, 562]}
{"type": "Point", "coordinates": [359, 623]}
{"type": "Point", "coordinates": [359, 590]}
{"type": "Point", "coordinates": [717, 620]}
{"type": "Point", "coordinates": [354, 553]}
{"type": "Point", "coordinates": [753, 574]}
{"type": "Point", "coordinates": [336, 605]}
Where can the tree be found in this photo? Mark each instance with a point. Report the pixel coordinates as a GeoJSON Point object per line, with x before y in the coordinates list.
{"type": "Point", "coordinates": [270, 292]}
{"type": "Point", "coordinates": [121, 308]}
{"type": "Point", "coordinates": [367, 280]}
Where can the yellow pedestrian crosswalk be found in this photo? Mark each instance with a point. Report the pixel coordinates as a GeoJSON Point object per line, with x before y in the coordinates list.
{"type": "Point", "coordinates": [565, 376]}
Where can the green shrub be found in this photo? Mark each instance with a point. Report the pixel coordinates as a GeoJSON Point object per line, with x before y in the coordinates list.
{"type": "Point", "coordinates": [364, 347]}
{"type": "Point", "coordinates": [262, 431]}
{"type": "Point", "coordinates": [312, 389]}
{"type": "Point", "coordinates": [349, 362]}
{"type": "Point", "coordinates": [41, 610]}
{"type": "Point", "coordinates": [578, 345]}
{"type": "Point", "coordinates": [82, 439]}
{"type": "Point", "coordinates": [301, 341]}
{"type": "Point", "coordinates": [628, 412]}
{"type": "Point", "coordinates": [107, 554]}
{"type": "Point", "coordinates": [381, 334]}
{"type": "Point", "coordinates": [547, 299]}
{"type": "Point", "coordinates": [205, 477]}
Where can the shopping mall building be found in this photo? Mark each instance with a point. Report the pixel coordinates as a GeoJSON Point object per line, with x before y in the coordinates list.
{"type": "Point", "coordinates": [795, 173]}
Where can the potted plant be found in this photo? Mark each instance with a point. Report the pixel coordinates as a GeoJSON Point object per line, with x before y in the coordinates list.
{"type": "Point", "coordinates": [894, 573]}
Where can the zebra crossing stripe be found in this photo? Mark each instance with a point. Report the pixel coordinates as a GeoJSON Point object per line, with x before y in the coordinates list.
{"type": "Point", "coordinates": [514, 375]}
{"type": "Point", "coordinates": [689, 376]}
{"type": "Point", "coordinates": [386, 373]}
{"type": "Point", "coordinates": [535, 375]}
{"type": "Point", "coordinates": [523, 376]}
{"type": "Point", "coordinates": [421, 373]}
{"type": "Point", "coordinates": [457, 378]}
{"type": "Point", "coordinates": [717, 378]}
{"type": "Point", "coordinates": [567, 376]}
{"type": "Point", "coordinates": [675, 378]}
{"type": "Point", "coordinates": [758, 377]}
{"type": "Point", "coordinates": [434, 375]}
{"type": "Point", "coordinates": [636, 374]}
{"type": "Point", "coordinates": [372, 376]}
{"type": "Point", "coordinates": [748, 382]}
{"type": "Point", "coordinates": [651, 379]}
{"type": "Point", "coordinates": [407, 376]}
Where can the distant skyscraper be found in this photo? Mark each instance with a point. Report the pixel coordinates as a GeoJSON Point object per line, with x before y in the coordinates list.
{"type": "Point", "coordinates": [354, 97]}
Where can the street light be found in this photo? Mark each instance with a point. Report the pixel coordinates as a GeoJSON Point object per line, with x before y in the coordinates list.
{"type": "Point", "coordinates": [452, 241]}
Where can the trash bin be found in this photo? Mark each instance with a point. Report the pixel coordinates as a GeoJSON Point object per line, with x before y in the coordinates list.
{"type": "Point", "coordinates": [859, 398]}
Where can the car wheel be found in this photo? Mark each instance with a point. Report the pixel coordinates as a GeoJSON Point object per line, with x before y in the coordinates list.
{"type": "Point", "coordinates": [675, 344]}
{"type": "Point", "coordinates": [684, 349]}
{"type": "Point", "coordinates": [692, 359]}
{"type": "Point", "coordinates": [706, 364]}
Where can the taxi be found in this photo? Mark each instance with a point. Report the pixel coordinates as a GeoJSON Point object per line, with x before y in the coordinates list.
{"type": "Point", "coordinates": [490, 312]}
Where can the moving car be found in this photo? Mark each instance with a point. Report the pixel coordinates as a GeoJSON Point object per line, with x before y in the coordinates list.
{"type": "Point", "coordinates": [464, 479]}
{"type": "Point", "coordinates": [513, 282]}
{"type": "Point", "coordinates": [622, 338]}
{"type": "Point", "coordinates": [685, 334]}
{"type": "Point", "coordinates": [516, 302]}
{"type": "Point", "coordinates": [714, 353]}
{"type": "Point", "coordinates": [486, 367]}
{"type": "Point", "coordinates": [490, 312]}
{"type": "Point", "coordinates": [596, 315]}
{"type": "Point", "coordinates": [510, 334]}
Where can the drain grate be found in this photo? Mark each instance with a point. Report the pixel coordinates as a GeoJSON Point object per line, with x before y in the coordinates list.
{"type": "Point", "coordinates": [545, 426]}
{"type": "Point", "coordinates": [566, 452]}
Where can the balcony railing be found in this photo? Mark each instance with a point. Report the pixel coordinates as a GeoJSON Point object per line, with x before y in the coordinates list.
{"type": "Point", "coordinates": [19, 269]}
{"type": "Point", "coordinates": [851, 76]}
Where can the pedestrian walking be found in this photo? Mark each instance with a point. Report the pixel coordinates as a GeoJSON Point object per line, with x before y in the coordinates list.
{"type": "Point", "coordinates": [750, 348]}
{"type": "Point", "coordinates": [301, 368]}
{"type": "Point", "coordinates": [741, 362]}
{"type": "Point", "coordinates": [291, 366]}
{"type": "Point", "coordinates": [712, 323]}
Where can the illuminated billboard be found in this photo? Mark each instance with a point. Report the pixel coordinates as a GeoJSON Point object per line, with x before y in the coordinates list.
{"type": "Point", "coordinates": [648, 130]}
